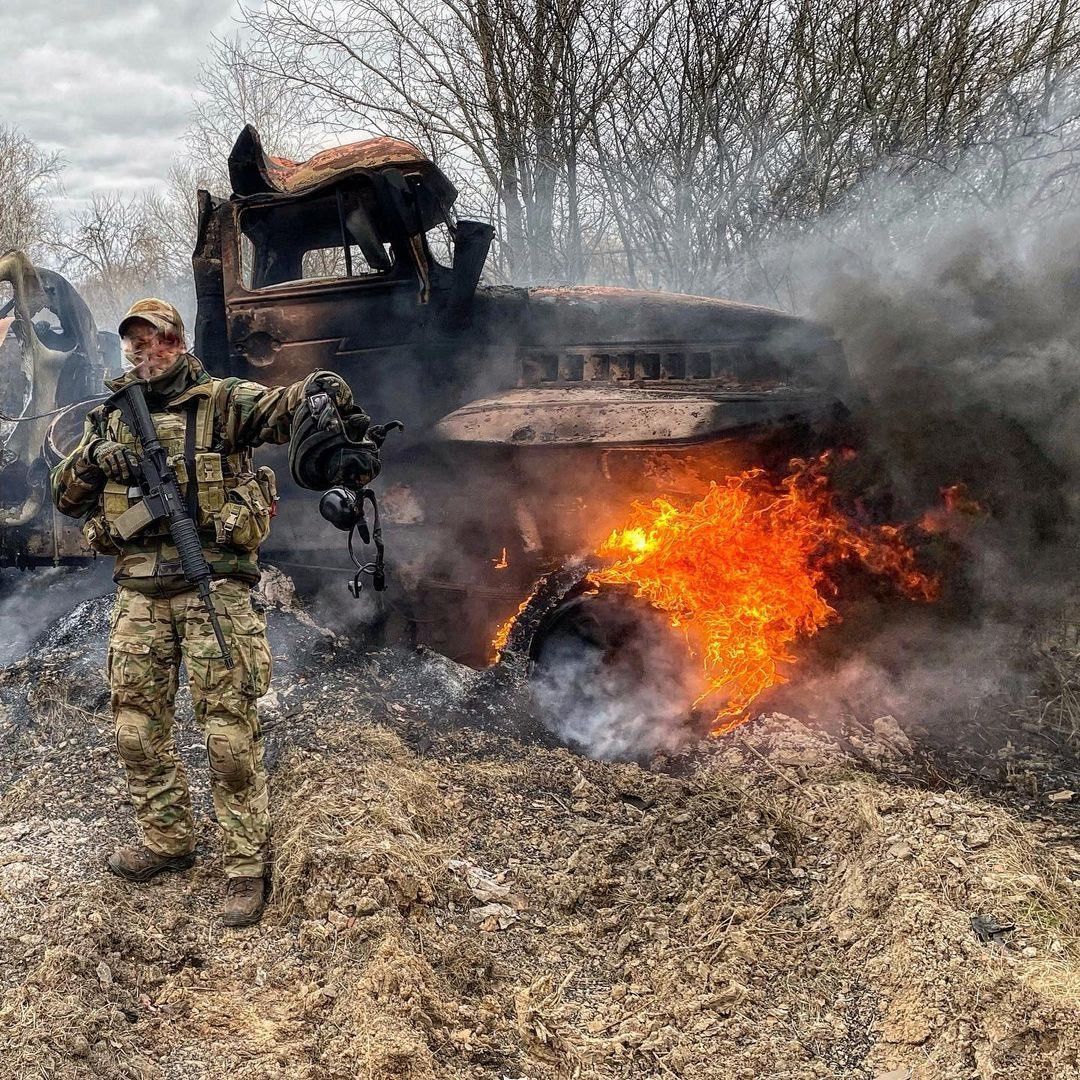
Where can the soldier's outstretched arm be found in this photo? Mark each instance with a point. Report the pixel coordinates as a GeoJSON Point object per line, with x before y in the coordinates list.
{"type": "Point", "coordinates": [256, 414]}
{"type": "Point", "coordinates": [76, 482]}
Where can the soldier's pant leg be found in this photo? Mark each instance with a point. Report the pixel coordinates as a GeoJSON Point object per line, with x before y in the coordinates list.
{"type": "Point", "coordinates": [224, 703]}
{"type": "Point", "coordinates": [142, 668]}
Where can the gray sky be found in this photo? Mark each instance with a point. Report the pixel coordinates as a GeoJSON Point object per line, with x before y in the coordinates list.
{"type": "Point", "coordinates": [107, 83]}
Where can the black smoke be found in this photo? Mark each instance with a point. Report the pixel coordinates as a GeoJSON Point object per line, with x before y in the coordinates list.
{"type": "Point", "coordinates": [961, 332]}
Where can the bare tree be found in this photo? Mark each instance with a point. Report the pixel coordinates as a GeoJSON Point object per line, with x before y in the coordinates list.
{"type": "Point", "coordinates": [746, 122]}
{"type": "Point", "coordinates": [29, 177]}
{"type": "Point", "coordinates": [173, 210]}
{"type": "Point", "coordinates": [232, 92]}
{"type": "Point", "coordinates": [120, 247]}
{"type": "Point", "coordinates": [116, 253]}
{"type": "Point", "coordinates": [669, 142]}
{"type": "Point", "coordinates": [503, 90]}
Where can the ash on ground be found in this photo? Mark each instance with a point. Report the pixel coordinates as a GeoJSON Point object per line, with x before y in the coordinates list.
{"type": "Point", "coordinates": [456, 896]}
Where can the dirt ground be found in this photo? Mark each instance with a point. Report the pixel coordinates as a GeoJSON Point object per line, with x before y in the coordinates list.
{"type": "Point", "coordinates": [803, 898]}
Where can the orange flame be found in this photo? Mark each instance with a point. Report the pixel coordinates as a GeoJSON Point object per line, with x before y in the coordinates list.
{"type": "Point", "coordinates": [957, 511]}
{"type": "Point", "coordinates": [502, 562]}
{"type": "Point", "coordinates": [743, 573]}
{"type": "Point", "coordinates": [502, 635]}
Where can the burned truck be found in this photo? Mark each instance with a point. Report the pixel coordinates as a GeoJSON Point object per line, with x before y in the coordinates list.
{"type": "Point", "coordinates": [533, 416]}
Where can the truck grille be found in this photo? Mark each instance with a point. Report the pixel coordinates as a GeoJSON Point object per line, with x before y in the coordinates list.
{"type": "Point", "coordinates": [744, 364]}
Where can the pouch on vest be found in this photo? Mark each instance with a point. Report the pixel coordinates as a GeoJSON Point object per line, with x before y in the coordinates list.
{"type": "Point", "coordinates": [243, 523]}
{"type": "Point", "coordinates": [96, 533]}
{"type": "Point", "coordinates": [114, 500]}
{"type": "Point", "coordinates": [268, 482]}
{"type": "Point", "coordinates": [211, 483]}
{"type": "Point", "coordinates": [179, 466]}
{"type": "Point", "coordinates": [122, 515]}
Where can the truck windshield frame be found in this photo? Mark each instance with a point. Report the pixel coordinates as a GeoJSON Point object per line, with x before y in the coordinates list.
{"type": "Point", "coordinates": [330, 236]}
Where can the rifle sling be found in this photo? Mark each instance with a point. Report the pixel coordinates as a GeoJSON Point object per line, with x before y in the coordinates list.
{"type": "Point", "coordinates": [192, 408]}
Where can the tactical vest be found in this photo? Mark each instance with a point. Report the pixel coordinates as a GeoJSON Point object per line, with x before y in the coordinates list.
{"type": "Point", "coordinates": [231, 502]}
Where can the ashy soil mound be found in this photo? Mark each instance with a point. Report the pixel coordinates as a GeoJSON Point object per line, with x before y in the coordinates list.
{"type": "Point", "coordinates": [452, 902]}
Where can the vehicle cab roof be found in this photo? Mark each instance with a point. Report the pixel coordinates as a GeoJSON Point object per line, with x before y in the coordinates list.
{"type": "Point", "coordinates": [254, 172]}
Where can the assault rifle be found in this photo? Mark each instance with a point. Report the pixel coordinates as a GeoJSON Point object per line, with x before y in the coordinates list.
{"type": "Point", "coordinates": [161, 498]}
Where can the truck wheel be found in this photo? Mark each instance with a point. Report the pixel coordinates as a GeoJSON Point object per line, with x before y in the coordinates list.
{"type": "Point", "coordinates": [612, 679]}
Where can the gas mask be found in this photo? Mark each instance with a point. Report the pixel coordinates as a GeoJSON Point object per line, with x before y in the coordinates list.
{"type": "Point", "coordinates": [336, 450]}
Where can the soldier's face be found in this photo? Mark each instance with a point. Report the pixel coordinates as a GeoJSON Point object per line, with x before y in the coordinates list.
{"type": "Point", "coordinates": [149, 350]}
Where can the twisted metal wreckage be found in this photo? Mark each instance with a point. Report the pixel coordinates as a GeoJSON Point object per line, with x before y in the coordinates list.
{"type": "Point", "coordinates": [533, 416]}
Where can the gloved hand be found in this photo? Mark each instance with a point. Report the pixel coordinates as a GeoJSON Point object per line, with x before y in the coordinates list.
{"type": "Point", "coordinates": [356, 423]}
{"type": "Point", "coordinates": [116, 461]}
{"type": "Point", "coordinates": [377, 432]}
{"type": "Point", "coordinates": [333, 384]}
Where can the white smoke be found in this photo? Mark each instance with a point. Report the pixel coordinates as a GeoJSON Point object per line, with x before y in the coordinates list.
{"type": "Point", "coordinates": [32, 600]}
{"type": "Point", "coordinates": [627, 701]}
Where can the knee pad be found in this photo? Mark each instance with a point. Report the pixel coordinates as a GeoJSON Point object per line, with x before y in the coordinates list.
{"type": "Point", "coordinates": [230, 759]}
{"type": "Point", "coordinates": [131, 745]}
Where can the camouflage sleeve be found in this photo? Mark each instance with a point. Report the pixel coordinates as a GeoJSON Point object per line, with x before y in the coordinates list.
{"type": "Point", "coordinates": [76, 482]}
{"type": "Point", "coordinates": [255, 414]}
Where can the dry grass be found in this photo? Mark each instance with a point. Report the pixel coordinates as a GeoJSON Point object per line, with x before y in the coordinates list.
{"type": "Point", "coordinates": [379, 828]}
{"type": "Point", "coordinates": [801, 919]}
{"type": "Point", "coordinates": [1056, 706]}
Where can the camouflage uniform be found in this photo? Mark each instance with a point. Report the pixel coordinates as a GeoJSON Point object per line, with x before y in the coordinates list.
{"type": "Point", "coordinates": [158, 619]}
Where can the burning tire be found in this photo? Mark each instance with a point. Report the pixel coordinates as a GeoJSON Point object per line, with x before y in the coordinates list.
{"type": "Point", "coordinates": [608, 675]}
{"type": "Point", "coordinates": [702, 600]}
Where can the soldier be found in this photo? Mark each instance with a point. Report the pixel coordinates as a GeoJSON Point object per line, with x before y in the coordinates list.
{"type": "Point", "coordinates": [209, 427]}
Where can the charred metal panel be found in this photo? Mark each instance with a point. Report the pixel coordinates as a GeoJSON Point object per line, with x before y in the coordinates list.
{"type": "Point", "coordinates": [710, 366]}
{"type": "Point", "coordinates": [618, 416]}
{"type": "Point", "coordinates": [580, 311]}
{"type": "Point", "coordinates": [472, 241]}
{"type": "Point", "coordinates": [624, 336]}
{"type": "Point", "coordinates": [254, 172]}
{"type": "Point", "coordinates": [211, 337]}
{"type": "Point", "coordinates": [50, 355]}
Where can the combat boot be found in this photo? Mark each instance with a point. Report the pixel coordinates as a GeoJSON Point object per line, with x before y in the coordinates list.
{"type": "Point", "coordinates": [245, 898]}
{"type": "Point", "coordinates": [137, 863]}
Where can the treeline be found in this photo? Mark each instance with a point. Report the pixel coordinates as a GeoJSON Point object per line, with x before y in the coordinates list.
{"type": "Point", "coordinates": [669, 144]}
{"type": "Point", "coordinates": [661, 143]}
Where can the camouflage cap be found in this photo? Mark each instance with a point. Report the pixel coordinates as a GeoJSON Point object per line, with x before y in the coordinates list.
{"type": "Point", "coordinates": [158, 313]}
